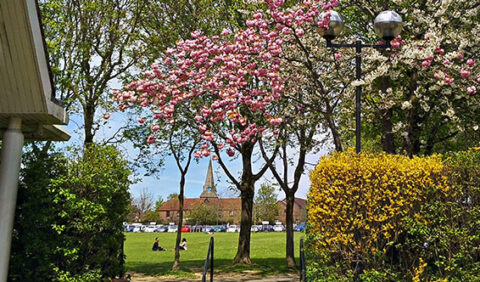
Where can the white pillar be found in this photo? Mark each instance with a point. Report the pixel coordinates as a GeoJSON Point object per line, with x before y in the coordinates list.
{"type": "Point", "coordinates": [10, 159]}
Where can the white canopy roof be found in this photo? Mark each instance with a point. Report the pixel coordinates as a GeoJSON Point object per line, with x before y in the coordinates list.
{"type": "Point", "coordinates": [26, 88]}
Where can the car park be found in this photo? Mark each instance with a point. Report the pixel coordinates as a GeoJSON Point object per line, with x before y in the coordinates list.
{"type": "Point", "coordinates": [255, 228]}
{"type": "Point", "coordinates": [186, 228]}
{"type": "Point", "coordinates": [232, 228]}
{"type": "Point", "coordinates": [278, 228]}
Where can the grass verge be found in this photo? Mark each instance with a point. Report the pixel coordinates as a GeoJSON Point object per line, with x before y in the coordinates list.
{"type": "Point", "coordinates": [267, 252]}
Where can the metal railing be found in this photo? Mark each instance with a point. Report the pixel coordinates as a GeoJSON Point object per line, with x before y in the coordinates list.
{"type": "Point", "coordinates": [208, 260]}
{"type": "Point", "coordinates": [303, 274]}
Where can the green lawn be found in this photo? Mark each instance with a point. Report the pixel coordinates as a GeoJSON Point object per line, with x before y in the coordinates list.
{"type": "Point", "coordinates": [267, 253]}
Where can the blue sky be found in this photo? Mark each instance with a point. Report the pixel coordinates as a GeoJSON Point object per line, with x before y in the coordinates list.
{"type": "Point", "coordinates": [168, 179]}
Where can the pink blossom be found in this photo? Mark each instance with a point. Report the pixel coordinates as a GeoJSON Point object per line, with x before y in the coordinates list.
{"type": "Point", "coordinates": [478, 79]}
{"type": "Point", "coordinates": [198, 118]}
{"type": "Point", "coordinates": [214, 157]}
{"type": "Point", "coordinates": [142, 120]}
{"type": "Point", "coordinates": [446, 62]}
{"type": "Point", "coordinates": [460, 56]}
{"type": "Point", "coordinates": [439, 51]}
{"type": "Point", "coordinates": [275, 121]}
{"type": "Point", "coordinates": [465, 73]}
{"type": "Point", "coordinates": [206, 152]}
{"type": "Point", "coordinates": [230, 152]}
{"type": "Point", "coordinates": [448, 79]}
{"type": "Point", "coordinates": [471, 62]}
{"type": "Point", "coordinates": [395, 43]}
{"type": "Point", "coordinates": [338, 56]}
{"type": "Point", "coordinates": [225, 32]}
{"type": "Point", "coordinates": [220, 146]}
{"type": "Point", "coordinates": [155, 127]}
{"type": "Point", "coordinates": [106, 116]}
{"type": "Point", "coordinates": [471, 90]}
{"type": "Point", "coordinates": [150, 139]}
{"type": "Point", "coordinates": [426, 63]}
{"type": "Point", "coordinates": [197, 155]}
{"type": "Point", "coordinates": [299, 32]}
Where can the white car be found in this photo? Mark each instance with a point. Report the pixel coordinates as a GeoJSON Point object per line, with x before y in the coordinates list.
{"type": "Point", "coordinates": [232, 228]}
{"type": "Point", "coordinates": [255, 228]}
{"type": "Point", "coordinates": [150, 229]}
{"type": "Point", "coordinates": [278, 228]}
{"type": "Point", "coordinates": [172, 228]}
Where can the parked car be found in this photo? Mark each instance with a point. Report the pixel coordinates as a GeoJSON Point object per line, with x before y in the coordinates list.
{"type": "Point", "coordinates": [278, 228]}
{"type": "Point", "coordinates": [186, 228]}
{"type": "Point", "coordinates": [255, 228]}
{"type": "Point", "coordinates": [232, 228]}
{"type": "Point", "coordinates": [150, 229]}
{"type": "Point", "coordinates": [208, 228]}
{"type": "Point", "coordinates": [172, 228]}
{"type": "Point", "coordinates": [220, 228]}
{"type": "Point", "coordinates": [300, 227]}
{"type": "Point", "coordinates": [161, 228]}
{"type": "Point", "coordinates": [267, 228]}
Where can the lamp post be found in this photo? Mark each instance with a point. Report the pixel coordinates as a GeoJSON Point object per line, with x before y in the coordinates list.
{"type": "Point", "coordinates": [387, 25]}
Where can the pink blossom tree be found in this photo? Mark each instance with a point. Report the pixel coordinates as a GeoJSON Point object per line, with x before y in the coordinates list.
{"type": "Point", "coordinates": [233, 84]}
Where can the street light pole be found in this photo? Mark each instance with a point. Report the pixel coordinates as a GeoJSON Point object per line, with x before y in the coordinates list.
{"type": "Point", "coordinates": [388, 25]}
{"type": "Point", "coordinates": [358, 97]}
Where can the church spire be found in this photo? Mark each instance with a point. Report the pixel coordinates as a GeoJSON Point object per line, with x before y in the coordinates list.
{"type": "Point", "coordinates": [209, 190]}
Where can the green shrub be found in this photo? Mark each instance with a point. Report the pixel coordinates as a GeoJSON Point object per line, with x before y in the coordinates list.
{"type": "Point", "coordinates": [69, 216]}
{"type": "Point", "coordinates": [434, 235]}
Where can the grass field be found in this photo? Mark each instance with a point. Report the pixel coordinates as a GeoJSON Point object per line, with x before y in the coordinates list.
{"type": "Point", "coordinates": [267, 253]}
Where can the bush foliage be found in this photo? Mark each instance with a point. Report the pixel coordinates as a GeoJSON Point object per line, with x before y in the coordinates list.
{"type": "Point", "coordinates": [68, 224]}
{"type": "Point", "coordinates": [379, 217]}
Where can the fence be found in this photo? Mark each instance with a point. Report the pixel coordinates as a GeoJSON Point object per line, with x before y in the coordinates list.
{"type": "Point", "coordinates": [303, 274]}
{"type": "Point", "coordinates": [208, 260]}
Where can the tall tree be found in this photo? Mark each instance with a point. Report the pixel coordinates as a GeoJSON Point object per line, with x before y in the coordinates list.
{"type": "Point", "coordinates": [265, 207]}
{"type": "Point", "coordinates": [421, 96]}
{"type": "Point", "coordinates": [159, 203]}
{"type": "Point", "coordinates": [144, 202]}
{"type": "Point", "coordinates": [91, 44]}
{"type": "Point", "coordinates": [172, 196]}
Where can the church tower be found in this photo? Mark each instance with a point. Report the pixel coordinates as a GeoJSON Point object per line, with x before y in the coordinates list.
{"type": "Point", "coordinates": [209, 190]}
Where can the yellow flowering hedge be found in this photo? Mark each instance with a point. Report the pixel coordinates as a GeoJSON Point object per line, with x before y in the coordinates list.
{"type": "Point", "coordinates": [357, 203]}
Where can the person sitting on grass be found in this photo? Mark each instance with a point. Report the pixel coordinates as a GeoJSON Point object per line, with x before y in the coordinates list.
{"type": "Point", "coordinates": [183, 245]}
{"type": "Point", "coordinates": [156, 246]}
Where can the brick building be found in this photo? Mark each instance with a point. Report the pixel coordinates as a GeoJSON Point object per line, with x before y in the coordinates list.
{"type": "Point", "coordinates": [299, 210]}
{"type": "Point", "coordinates": [228, 209]}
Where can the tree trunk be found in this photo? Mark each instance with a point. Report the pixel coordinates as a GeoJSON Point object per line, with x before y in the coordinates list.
{"type": "Point", "coordinates": [176, 263]}
{"type": "Point", "coordinates": [335, 134]}
{"type": "Point", "coordinates": [388, 139]}
{"type": "Point", "coordinates": [387, 132]}
{"type": "Point", "coordinates": [88, 117]}
{"type": "Point", "coordinates": [243, 251]}
{"type": "Point", "coordinates": [290, 258]}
